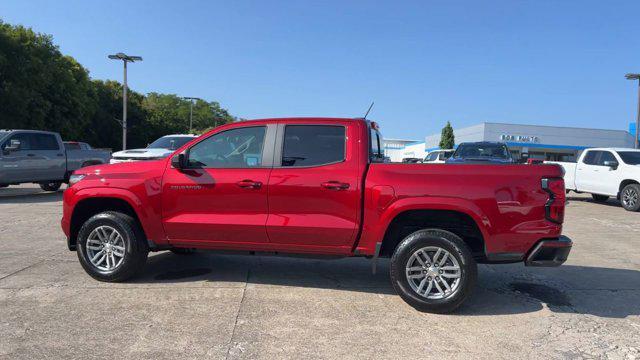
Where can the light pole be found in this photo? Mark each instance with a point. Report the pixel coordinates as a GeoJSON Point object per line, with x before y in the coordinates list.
{"type": "Point", "coordinates": [636, 77]}
{"type": "Point", "coordinates": [125, 59]}
{"type": "Point", "coordinates": [191, 110]}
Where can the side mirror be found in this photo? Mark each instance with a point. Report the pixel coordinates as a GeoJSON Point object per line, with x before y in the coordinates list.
{"type": "Point", "coordinates": [14, 145]}
{"type": "Point", "coordinates": [612, 164]}
{"type": "Point", "coordinates": [179, 161]}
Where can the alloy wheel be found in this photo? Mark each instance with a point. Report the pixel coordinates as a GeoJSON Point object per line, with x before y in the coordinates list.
{"type": "Point", "coordinates": [433, 273]}
{"type": "Point", "coordinates": [630, 197]}
{"type": "Point", "coordinates": [105, 248]}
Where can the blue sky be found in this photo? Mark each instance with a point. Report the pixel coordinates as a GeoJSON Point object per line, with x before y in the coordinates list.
{"type": "Point", "coordinates": [423, 62]}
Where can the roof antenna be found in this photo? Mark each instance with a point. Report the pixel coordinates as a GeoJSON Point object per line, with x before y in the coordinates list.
{"type": "Point", "coordinates": [365, 115]}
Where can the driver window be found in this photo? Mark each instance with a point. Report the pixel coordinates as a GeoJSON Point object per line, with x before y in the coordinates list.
{"type": "Point", "coordinates": [237, 148]}
{"type": "Point", "coordinates": [25, 141]}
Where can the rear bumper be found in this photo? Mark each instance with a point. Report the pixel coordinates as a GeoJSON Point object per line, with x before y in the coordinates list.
{"type": "Point", "coordinates": [549, 252]}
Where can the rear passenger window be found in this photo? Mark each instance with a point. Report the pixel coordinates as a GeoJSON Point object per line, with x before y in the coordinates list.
{"type": "Point", "coordinates": [43, 142]}
{"type": "Point", "coordinates": [605, 156]}
{"type": "Point", "coordinates": [313, 145]}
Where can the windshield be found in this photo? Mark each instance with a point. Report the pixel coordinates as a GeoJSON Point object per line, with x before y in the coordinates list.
{"type": "Point", "coordinates": [630, 157]}
{"type": "Point", "coordinates": [482, 151]}
{"type": "Point", "coordinates": [170, 142]}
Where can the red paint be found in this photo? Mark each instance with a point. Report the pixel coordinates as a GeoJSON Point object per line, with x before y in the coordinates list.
{"type": "Point", "coordinates": [321, 209]}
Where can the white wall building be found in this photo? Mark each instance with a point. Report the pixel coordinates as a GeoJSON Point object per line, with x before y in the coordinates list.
{"type": "Point", "coordinates": [541, 142]}
{"type": "Point", "coordinates": [398, 149]}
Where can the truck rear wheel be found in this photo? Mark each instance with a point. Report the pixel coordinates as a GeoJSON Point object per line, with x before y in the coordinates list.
{"type": "Point", "coordinates": [630, 197]}
{"type": "Point", "coordinates": [433, 270]}
{"type": "Point", "coordinates": [50, 186]}
{"type": "Point", "coordinates": [112, 247]}
{"type": "Point", "coordinates": [599, 198]}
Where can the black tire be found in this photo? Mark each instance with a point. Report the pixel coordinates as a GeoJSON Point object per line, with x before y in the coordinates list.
{"type": "Point", "coordinates": [136, 247]}
{"type": "Point", "coordinates": [183, 251]}
{"type": "Point", "coordinates": [600, 198]}
{"type": "Point", "coordinates": [50, 186]}
{"type": "Point", "coordinates": [630, 197]}
{"type": "Point", "coordinates": [440, 239]}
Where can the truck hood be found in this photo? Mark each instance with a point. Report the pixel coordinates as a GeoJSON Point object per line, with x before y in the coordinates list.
{"type": "Point", "coordinates": [143, 153]}
{"type": "Point", "coordinates": [127, 168]}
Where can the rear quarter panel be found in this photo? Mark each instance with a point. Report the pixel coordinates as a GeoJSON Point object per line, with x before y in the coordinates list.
{"type": "Point", "coordinates": [506, 201]}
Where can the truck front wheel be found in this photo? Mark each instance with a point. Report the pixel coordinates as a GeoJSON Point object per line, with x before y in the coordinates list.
{"type": "Point", "coordinates": [630, 197]}
{"type": "Point", "coordinates": [112, 247]}
{"type": "Point", "coordinates": [433, 270]}
{"type": "Point", "coordinates": [50, 186]}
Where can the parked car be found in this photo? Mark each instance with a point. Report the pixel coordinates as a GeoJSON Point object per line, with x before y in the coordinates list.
{"type": "Point", "coordinates": [158, 149]}
{"type": "Point", "coordinates": [412, 160]}
{"type": "Point", "coordinates": [480, 153]}
{"type": "Point", "coordinates": [438, 156]}
{"type": "Point", "coordinates": [606, 172]}
{"type": "Point", "coordinates": [319, 187]}
{"type": "Point", "coordinates": [31, 156]}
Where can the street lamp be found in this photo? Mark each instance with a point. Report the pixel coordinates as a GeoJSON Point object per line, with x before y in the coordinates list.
{"type": "Point", "coordinates": [636, 77]}
{"type": "Point", "coordinates": [191, 110]}
{"type": "Point", "coordinates": [125, 59]}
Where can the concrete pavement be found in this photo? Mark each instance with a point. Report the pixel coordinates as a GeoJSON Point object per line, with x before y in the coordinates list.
{"type": "Point", "coordinates": [217, 306]}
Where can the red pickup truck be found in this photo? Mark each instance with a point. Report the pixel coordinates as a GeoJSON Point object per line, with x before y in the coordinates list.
{"type": "Point", "coordinates": [319, 186]}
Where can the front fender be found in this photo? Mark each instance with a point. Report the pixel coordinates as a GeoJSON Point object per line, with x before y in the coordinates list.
{"type": "Point", "coordinates": [150, 221]}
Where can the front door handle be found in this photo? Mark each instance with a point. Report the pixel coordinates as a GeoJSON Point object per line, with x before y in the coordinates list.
{"type": "Point", "coordinates": [335, 185]}
{"type": "Point", "coordinates": [31, 155]}
{"type": "Point", "coordinates": [249, 184]}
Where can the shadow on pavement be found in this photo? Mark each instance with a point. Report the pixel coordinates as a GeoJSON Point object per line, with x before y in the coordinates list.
{"type": "Point", "coordinates": [501, 290]}
{"type": "Point", "coordinates": [28, 196]}
{"type": "Point", "coordinates": [612, 201]}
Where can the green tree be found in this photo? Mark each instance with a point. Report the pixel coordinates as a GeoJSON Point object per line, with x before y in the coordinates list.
{"type": "Point", "coordinates": [39, 87]}
{"type": "Point", "coordinates": [42, 89]}
{"type": "Point", "coordinates": [447, 139]}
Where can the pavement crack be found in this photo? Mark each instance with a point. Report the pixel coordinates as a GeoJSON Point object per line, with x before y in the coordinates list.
{"type": "Point", "coordinates": [235, 323]}
{"type": "Point", "coordinates": [24, 268]}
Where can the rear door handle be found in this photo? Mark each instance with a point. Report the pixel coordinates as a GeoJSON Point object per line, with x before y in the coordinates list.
{"type": "Point", "coordinates": [31, 154]}
{"type": "Point", "coordinates": [60, 155]}
{"type": "Point", "coordinates": [335, 185]}
{"type": "Point", "coordinates": [249, 184]}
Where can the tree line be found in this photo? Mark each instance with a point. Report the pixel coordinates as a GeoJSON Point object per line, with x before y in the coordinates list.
{"type": "Point", "coordinates": [42, 89]}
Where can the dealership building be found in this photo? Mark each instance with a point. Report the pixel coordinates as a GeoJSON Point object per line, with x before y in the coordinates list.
{"type": "Point", "coordinates": [556, 143]}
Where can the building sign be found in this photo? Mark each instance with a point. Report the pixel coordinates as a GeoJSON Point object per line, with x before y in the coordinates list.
{"type": "Point", "coordinates": [520, 138]}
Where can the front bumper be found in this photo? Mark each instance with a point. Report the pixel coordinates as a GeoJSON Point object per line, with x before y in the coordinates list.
{"type": "Point", "coordinates": [549, 252]}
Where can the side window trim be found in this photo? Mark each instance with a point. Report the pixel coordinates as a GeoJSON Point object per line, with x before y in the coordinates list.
{"type": "Point", "coordinates": [279, 146]}
{"type": "Point", "coordinates": [267, 146]}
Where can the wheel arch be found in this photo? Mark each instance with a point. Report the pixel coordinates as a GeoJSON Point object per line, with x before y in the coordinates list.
{"type": "Point", "coordinates": [457, 222]}
{"type": "Point", "coordinates": [90, 206]}
{"type": "Point", "coordinates": [626, 182]}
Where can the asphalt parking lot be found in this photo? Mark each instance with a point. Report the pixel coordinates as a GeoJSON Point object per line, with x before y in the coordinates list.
{"type": "Point", "coordinates": [218, 306]}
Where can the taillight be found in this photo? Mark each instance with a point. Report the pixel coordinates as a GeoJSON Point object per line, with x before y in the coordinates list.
{"type": "Point", "coordinates": [554, 208]}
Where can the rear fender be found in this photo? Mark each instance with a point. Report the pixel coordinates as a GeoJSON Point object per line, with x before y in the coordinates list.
{"type": "Point", "coordinates": [374, 230]}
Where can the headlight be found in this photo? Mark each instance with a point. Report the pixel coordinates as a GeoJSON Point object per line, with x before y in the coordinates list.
{"type": "Point", "coordinates": [75, 178]}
